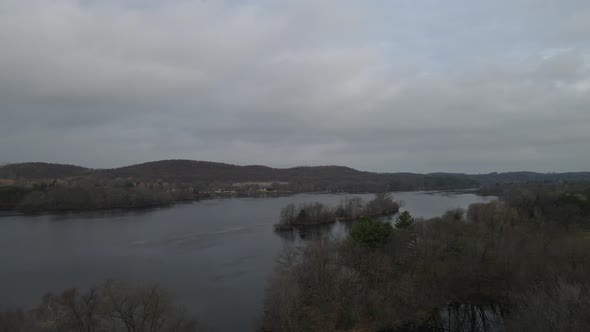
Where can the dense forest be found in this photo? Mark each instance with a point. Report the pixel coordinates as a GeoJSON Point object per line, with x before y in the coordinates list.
{"type": "Point", "coordinates": [31, 187]}
{"type": "Point", "coordinates": [518, 264]}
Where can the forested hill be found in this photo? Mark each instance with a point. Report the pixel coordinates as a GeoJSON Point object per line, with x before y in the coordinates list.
{"type": "Point", "coordinates": [211, 176]}
{"type": "Point", "coordinates": [40, 171]}
{"type": "Point", "coordinates": [189, 171]}
{"type": "Point", "coordinates": [324, 177]}
{"type": "Point", "coordinates": [523, 177]}
{"type": "Point", "coordinates": [44, 187]}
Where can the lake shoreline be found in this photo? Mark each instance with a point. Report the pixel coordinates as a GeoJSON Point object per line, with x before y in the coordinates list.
{"type": "Point", "coordinates": [206, 197]}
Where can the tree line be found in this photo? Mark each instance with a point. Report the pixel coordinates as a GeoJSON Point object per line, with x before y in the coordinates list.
{"type": "Point", "coordinates": [87, 194]}
{"type": "Point", "coordinates": [112, 306]}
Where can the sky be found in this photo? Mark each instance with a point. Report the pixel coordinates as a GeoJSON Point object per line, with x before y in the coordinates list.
{"type": "Point", "coordinates": [420, 86]}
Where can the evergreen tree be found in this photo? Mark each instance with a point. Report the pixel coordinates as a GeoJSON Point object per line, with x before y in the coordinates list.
{"type": "Point", "coordinates": [404, 220]}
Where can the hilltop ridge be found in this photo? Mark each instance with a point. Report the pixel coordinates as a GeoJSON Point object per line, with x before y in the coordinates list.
{"type": "Point", "coordinates": [193, 171]}
{"type": "Point", "coordinates": [43, 186]}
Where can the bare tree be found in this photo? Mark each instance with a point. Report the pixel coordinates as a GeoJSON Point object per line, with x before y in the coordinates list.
{"type": "Point", "coordinates": [112, 307]}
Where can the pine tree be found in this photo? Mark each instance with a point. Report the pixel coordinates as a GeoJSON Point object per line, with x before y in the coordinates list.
{"type": "Point", "coordinates": [404, 220]}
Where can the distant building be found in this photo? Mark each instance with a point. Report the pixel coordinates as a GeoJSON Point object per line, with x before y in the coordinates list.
{"type": "Point", "coordinates": [7, 182]}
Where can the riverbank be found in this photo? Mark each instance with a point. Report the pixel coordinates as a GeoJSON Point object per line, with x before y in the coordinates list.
{"type": "Point", "coordinates": [206, 196]}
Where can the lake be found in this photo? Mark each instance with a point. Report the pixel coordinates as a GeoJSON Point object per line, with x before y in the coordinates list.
{"type": "Point", "coordinates": [214, 255]}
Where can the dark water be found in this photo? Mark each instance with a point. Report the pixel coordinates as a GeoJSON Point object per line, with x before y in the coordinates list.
{"type": "Point", "coordinates": [215, 255]}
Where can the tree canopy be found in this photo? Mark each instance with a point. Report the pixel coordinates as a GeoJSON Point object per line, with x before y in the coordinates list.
{"type": "Point", "coordinates": [371, 234]}
{"type": "Point", "coordinates": [404, 220]}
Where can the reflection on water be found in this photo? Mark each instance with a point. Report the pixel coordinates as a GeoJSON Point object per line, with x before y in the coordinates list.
{"type": "Point", "coordinates": [215, 255]}
{"type": "Point", "coordinates": [335, 230]}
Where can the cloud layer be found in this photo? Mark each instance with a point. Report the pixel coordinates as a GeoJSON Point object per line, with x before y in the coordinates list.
{"type": "Point", "coordinates": [418, 86]}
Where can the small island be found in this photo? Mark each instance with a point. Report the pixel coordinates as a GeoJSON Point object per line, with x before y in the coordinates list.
{"type": "Point", "coordinates": [349, 209]}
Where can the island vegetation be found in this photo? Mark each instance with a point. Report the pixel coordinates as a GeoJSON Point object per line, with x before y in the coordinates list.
{"type": "Point", "coordinates": [349, 209]}
{"type": "Point", "coordinates": [518, 264]}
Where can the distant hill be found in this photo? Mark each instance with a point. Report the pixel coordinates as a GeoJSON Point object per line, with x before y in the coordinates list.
{"type": "Point", "coordinates": [38, 170]}
{"type": "Point", "coordinates": [30, 187]}
{"type": "Point", "coordinates": [332, 178]}
{"type": "Point", "coordinates": [197, 171]}
{"type": "Point", "coordinates": [309, 178]}
{"type": "Point", "coordinates": [522, 177]}
{"type": "Point", "coordinates": [192, 171]}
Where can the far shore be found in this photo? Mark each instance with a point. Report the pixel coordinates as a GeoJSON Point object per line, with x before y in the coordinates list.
{"type": "Point", "coordinates": [213, 196]}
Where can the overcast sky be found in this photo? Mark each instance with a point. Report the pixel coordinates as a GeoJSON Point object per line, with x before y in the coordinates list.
{"type": "Point", "coordinates": [422, 86]}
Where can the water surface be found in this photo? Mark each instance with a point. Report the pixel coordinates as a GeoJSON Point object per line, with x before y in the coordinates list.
{"type": "Point", "coordinates": [214, 255]}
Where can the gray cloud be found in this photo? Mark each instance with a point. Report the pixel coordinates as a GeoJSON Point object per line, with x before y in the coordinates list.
{"type": "Point", "coordinates": [388, 86]}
